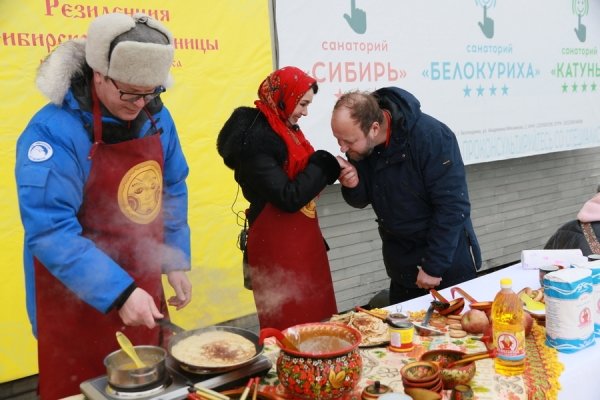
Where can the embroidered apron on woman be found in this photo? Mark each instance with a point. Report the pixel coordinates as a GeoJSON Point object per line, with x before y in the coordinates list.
{"type": "Point", "coordinates": [122, 214]}
{"type": "Point", "coordinates": [291, 280]}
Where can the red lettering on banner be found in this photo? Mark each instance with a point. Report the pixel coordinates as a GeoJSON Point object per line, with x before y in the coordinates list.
{"type": "Point", "coordinates": [50, 5]}
{"type": "Point", "coordinates": [351, 71]}
{"type": "Point", "coordinates": [365, 73]}
{"type": "Point", "coordinates": [203, 45]}
{"type": "Point", "coordinates": [165, 15]}
{"type": "Point", "coordinates": [26, 39]}
{"type": "Point", "coordinates": [366, 47]}
{"type": "Point", "coordinates": [92, 11]}
{"type": "Point", "coordinates": [335, 72]}
{"type": "Point", "coordinates": [129, 11]}
{"type": "Point", "coordinates": [6, 37]}
{"type": "Point", "coordinates": [51, 40]}
{"type": "Point", "coordinates": [78, 10]}
{"type": "Point", "coordinates": [316, 67]}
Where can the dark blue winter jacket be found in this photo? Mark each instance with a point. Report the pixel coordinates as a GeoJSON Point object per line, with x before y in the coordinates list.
{"type": "Point", "coordinates": [418, 190]}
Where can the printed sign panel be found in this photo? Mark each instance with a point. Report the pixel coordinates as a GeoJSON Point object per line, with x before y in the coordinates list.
{"type": "Point", "coordinates": [510, 78]}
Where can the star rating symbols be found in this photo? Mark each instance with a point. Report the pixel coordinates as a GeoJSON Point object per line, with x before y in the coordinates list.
{"type": "Point", "coordinates": [481, 90]}
{"type": "Point", "coordinates": [467, 91]}
{"type": "Point", "coordinates": [575, 87]}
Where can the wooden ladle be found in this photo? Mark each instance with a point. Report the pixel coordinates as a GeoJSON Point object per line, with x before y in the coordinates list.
{"type": "Point", "coordinates": [282, 340]}
{"type": "Point", "coordinates": [485, 306]}
{"type": "Point", "coordinates": [455, 306]}
{"type": "Point", "coordinates": [473, 357]}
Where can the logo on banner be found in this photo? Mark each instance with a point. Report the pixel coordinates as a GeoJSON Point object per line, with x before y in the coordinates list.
{"type": "Point", "coordinates": [487, 26]}
{"type": "Point", "coordinates": [140, 192]}
{"type": "Point", "coordinates": [357, 18]}
{"type": "Point", "coordinates": [580, 8]}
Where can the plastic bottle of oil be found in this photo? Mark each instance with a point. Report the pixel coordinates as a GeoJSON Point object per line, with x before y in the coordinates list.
{"type": "Point", "coordinates": [508, 330]}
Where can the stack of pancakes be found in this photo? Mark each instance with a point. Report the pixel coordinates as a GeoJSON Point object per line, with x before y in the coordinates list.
{"type": "Point", "coordinates": [372, 329]}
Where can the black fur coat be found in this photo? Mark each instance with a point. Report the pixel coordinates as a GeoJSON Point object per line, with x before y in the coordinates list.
{"type": "Point", "coordinates": [257, 155]}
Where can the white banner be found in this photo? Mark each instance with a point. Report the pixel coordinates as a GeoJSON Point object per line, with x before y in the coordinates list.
{"type": "Point", "coordinates": [510, 78]}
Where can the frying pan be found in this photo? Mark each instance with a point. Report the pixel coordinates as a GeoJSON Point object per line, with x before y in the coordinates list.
{"type": "Point", "coordinates": [211, 369]}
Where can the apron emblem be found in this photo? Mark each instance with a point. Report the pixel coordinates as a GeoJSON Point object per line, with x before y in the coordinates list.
{"type": "Point", "coordinates": [310, 210]}
{"type": "Point", "coordinates": [140, 192]}
{"type": "Point", "coordinates": [39, 151]}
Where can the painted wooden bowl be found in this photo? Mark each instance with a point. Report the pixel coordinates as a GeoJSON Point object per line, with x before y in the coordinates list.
{"type": "Point", "coordinates": [458, 374]}
{"type": "Point", "coordinates": [421, 374]}
{"type": "Point", "coordinates": [422, 394]}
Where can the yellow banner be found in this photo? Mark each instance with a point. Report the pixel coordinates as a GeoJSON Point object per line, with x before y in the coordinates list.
{"type": "Point", "coordinates": [223, 51]}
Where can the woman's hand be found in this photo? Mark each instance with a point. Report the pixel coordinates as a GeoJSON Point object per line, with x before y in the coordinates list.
{"type": "Point", "coordinates": [348, 175]}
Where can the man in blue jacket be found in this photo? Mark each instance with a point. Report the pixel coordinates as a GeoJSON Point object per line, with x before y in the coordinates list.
{"type": "Point", "coordinates": [408, 166]}
{"type": "Point", "coordinates": [101, 183]}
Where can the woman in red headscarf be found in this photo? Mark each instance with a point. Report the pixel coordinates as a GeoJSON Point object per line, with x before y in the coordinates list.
{"type": "Point", "coordinates": [281, 175]}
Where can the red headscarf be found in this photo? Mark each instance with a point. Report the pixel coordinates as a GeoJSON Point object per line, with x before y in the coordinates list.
{"type": "Point", "coordinates": [278, 96]}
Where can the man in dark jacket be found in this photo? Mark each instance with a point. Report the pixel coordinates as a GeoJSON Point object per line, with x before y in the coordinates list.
{"type": "Point", "coordinates": [408, 166]}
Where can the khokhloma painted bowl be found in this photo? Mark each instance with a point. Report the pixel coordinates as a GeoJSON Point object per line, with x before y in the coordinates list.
{"type": "Point", "coordinates": [459, 374]}
{"type": "Point", "coordinates": [327, 364]}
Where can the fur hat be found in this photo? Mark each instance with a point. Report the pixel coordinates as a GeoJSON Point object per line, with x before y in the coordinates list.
{"type": "Point", "coordinates": [137, 49]}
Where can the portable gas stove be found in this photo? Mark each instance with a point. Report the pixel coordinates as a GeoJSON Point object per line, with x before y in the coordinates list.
{"type": "Point", "coordinates": [176, 386]}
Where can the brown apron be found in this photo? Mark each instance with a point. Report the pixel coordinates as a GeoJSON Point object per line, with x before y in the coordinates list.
{"type": "Point", "coordinates": [291, 279]}
{"type": "Point", "coordinates": [122, 214]}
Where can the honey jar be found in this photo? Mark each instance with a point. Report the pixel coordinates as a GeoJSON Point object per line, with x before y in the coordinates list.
{"type": "Point", "coordinates": [401, 337]}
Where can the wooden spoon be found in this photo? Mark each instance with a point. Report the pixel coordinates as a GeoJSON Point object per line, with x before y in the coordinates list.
{"type": "Point", "coordinates": [473, 357]}
{"type": "Point", "coordinates": [371, 313]}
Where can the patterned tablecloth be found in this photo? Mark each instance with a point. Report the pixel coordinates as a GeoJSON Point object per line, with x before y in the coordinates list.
{"type": "Point", "coordinates": [540, 381]}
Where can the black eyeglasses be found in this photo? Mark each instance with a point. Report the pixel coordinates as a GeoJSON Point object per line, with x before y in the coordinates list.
{"type": "Point", "coordinates": [133, 97]}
